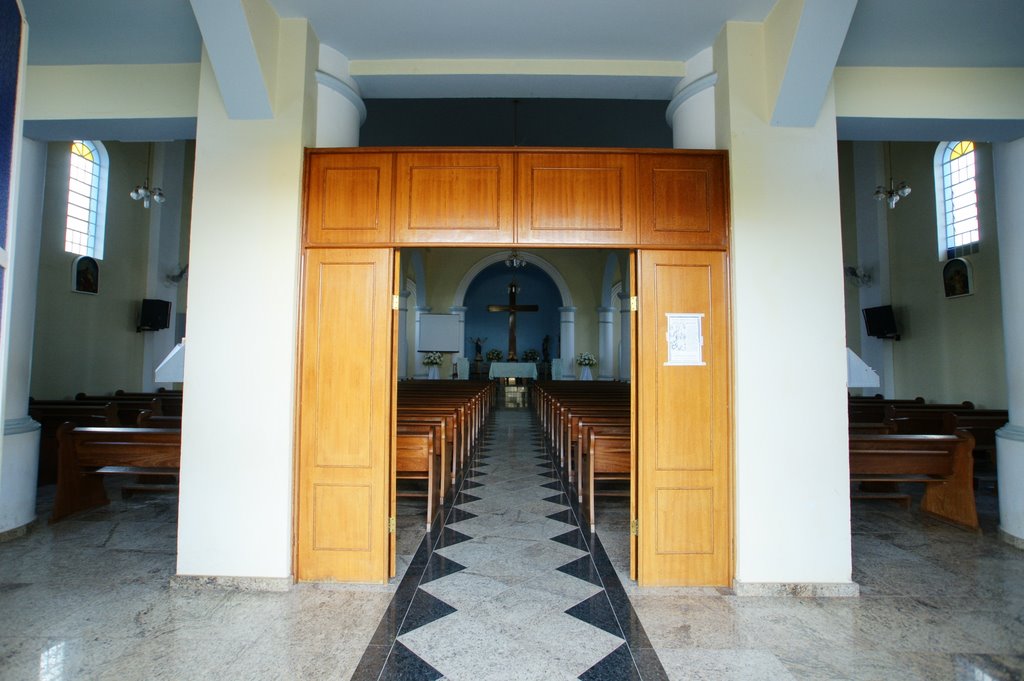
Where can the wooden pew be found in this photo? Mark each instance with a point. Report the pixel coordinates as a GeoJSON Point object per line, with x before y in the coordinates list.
{"type": "Point", "coordinates": [147, 419]}
{"type": "Point", "coordinates": [606, 458]}
{"type": "Point", "coordinates": [943, 463]}
{"type": "Point", "coordinates": [442, 423]}
{"type": "Point", "coordinates": [130, 404]}
{"type": "Point", "coordinates": [581, 421]}
{"type": "Point", "coordinates": [51, 414]}
{"type": "Point", "coordinates": [86, 454]}
{"type": "Point", "coordinates": [456, 411]}
{"type": "Point", "coordinates": [416, 458]}
{"type": "Point", "coordinates": [579, 416]}
{"type": "Point", "coordinates": [981, 423]}
{"type": "Point", "coordinates": [872, 409]}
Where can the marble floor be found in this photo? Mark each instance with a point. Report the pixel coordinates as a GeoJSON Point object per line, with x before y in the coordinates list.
{"type": "Point", "coordinates": [507, 589]}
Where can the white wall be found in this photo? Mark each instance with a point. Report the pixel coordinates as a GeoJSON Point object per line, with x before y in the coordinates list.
{"type": "Point", "coordinates": [235, 516]}
{"type": "Point", "coordinates": [173, 163]}
{"type": "Point", "coordinates": [951, 349]}
{"type": "Point", "coordinates": [792, 493]}
{"type": "Point", "coordinates": [88, 343]}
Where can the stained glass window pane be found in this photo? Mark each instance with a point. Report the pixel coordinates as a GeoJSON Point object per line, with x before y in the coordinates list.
{"type": "Point", "coordinates": [960, 198]}
{"type": "Point", "coordinates": [84, 183]}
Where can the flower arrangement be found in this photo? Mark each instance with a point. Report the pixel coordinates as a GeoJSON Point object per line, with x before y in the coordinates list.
{"type": "Point", "coordinates": [530, 355]}
{"type": "Point", "coordinates": [494, 355]}
{"type": "Point", "coordinates": [432, 359]}
{"type": "Point", "coordinates": [586, 359]}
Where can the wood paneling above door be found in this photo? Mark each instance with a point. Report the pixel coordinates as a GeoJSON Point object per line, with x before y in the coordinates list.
{"type": "Point", "coordinates": [496, 196]}
{"type": "Point", "coordinates": [573, 198]}
{"type": "Point", "coordinates": [683, 199]}
{"type": "Point", "coordinates": [348, 198]}
{"type": "Point", "coordinates": [454, 197]}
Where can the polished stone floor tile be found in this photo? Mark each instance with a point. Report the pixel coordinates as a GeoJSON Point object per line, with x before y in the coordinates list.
{"type": "Point", "coordinates": [509, 588]}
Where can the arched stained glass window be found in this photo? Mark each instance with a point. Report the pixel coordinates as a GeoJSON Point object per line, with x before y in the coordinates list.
{"type": "Point", "coordinates": [87, 199]}
{"type": "Point", "coordinates": [956, 199]}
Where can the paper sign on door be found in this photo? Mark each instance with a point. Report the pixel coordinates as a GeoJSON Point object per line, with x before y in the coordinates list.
{"type": "Point", "coordinates": [685, 339]}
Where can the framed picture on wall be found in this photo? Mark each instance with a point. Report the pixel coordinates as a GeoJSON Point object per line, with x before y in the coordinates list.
{"type": "Point", "coordinates": [957, 278]}
{"type": "Point", "coordinates": [85, 275]}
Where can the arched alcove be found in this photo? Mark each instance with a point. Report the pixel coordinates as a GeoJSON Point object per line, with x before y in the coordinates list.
{"type": "Point", "coordinates": [544, 286]}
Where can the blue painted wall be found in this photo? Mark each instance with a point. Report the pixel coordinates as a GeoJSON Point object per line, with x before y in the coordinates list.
{"type": "Point", "coordinates": [490, 287]}
{"type": "Point", "coordinates": [10, 51]}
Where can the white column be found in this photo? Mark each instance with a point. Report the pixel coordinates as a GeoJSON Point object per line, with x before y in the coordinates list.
{"type": "Point", "coordinates": [421, 369]}
{"type": "Point", "coordinates": [691, 113]}
{"type": "Point", "coordinates": [1009, 178]}
{"type": "Point", "coordinates": [164, 253]}
{"type": "Point", "coordinates": [460, 310]}
{"type": "Point", "coordinates": [625, 337]}
{"type": "Point", "coordinates": [792, 500]}
{"type": "Point", "coordinates": [568, 342]}
{"type": "Point", "coordinates": [873, 257]}
{"type": "Point", "coordinates": [339, 104]}
{"type": "Point", "coordinates": [403, 337]}
{"type": "Point", "coordinates": [605, 338]}
{"type": "Point", "coordinates": [19, 458]}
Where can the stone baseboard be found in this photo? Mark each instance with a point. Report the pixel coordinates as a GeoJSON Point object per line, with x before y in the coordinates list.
{"type": "Point", "coordinates": [232, 583]}
{"type": "Point", "coordinates": [1011, 539]}
{"type": "Point", "coordinates": [14, 533]}
{"type": "Point", "coordinates": [797, 589]}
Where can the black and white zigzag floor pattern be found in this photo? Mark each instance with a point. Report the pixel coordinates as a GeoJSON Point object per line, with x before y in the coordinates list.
{"type": "Point", "coordinates": [507, 586]}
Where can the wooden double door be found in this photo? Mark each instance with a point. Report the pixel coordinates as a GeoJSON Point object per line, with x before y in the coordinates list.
{"type": "Point", "coordinates": [682, 499]}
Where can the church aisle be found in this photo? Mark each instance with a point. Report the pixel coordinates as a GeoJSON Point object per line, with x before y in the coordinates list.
{"type": "Point", "coordinates": [509, 587]}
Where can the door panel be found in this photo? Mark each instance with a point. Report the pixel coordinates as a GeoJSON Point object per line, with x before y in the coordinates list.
{"type": "Point", "coordinates": [634, 421]}
{"type": "Point", "coordinates": [348, 198]}
{"type": "Point", "coordinates": [684, 476]}
{"type": "Point", "coordinates": [462, 197]}
{"type": "Point", "coordinates": [683, 199]}
{"type": "Point", "coordinates": [345, 416]}
{"type": "Point", "coordinates": [577, 198]}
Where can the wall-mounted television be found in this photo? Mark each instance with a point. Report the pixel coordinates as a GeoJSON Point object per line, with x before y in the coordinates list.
{"type": "Point", "coordinates": [880, 322]}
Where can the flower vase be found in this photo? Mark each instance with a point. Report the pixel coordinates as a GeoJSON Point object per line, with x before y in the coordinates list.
{"type": "Point", "coordinates": [585, 374]}
{"type": "Point", "coordinates": [433, 373]}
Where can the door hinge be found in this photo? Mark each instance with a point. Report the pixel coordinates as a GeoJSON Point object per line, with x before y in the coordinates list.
{"type": "Point", "coordinates": [392, 525]}
{"type": "Point", "coordinates": [634, 303]}
{"type": "Point", "coordinates": [634, 527]}
{"type": "Point", "coordinates": [396, 301]}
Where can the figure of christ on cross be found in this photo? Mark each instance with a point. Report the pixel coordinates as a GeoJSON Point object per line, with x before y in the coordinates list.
{"type": "Point", "coordinates": [512, 308]}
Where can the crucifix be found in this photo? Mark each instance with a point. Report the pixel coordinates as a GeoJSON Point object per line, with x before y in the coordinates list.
{"type": "Point", "coordinates": [512, 308]}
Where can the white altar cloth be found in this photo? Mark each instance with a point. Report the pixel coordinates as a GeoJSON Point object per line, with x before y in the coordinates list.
{"type": "Point", "coordinates": [513, 369]}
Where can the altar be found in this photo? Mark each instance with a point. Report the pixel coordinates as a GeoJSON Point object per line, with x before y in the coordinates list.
{"type": "Point", "coordinates": [513, 370]}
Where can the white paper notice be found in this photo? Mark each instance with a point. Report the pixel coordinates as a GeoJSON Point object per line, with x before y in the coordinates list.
{"type": "Point", "coordinates": [685, 339]}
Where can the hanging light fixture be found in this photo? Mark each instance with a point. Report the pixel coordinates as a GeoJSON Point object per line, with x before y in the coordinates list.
{"type": "Point", "coordinates": [513, 261]}
{"type": "Point", "coordinates": [895, 192]}
{"type": "Point", "coordinates": [142, 192]}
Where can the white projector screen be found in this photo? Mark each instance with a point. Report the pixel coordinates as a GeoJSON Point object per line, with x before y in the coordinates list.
{"type": "Point", "coordinates": [439, 333]}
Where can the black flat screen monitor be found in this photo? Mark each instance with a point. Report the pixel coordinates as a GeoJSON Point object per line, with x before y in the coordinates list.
{"type": "Point", "coordinates": [880, 322]}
